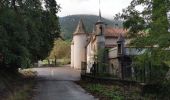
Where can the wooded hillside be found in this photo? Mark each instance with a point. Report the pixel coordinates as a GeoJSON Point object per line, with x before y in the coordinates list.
{"type": "Point", "coordinates": [69, 23]}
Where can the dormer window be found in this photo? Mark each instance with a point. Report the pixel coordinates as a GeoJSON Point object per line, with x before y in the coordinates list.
{"type": "Point", "coordinates": [120, 45]}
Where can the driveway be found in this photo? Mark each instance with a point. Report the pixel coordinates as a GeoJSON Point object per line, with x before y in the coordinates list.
{"type": "Point", "coordinates": [58, 84]}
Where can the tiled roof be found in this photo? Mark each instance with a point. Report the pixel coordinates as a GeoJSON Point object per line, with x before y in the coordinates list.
{"type": "Point", "coordinates": [115, 32]}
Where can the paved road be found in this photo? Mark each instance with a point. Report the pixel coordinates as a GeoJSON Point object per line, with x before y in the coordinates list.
{"type": "Point", "coordinates": [57, 84]}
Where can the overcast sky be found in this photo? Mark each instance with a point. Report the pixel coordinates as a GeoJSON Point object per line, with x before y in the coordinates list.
{"type": "Point", "coordinates": [108, 7]}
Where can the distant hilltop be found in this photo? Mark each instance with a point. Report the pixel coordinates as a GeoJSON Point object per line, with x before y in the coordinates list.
{"type": "Point", "coordinates": [69, 24]}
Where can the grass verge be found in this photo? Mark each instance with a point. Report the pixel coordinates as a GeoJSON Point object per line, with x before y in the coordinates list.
{"type": "Point", "coordinates": [107, 91]}
{"type": "Point", "coordinates": [17, 86]}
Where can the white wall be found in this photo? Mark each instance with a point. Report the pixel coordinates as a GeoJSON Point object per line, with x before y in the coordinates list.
{"type": "Point", "coordinates": [72, 55]}
{"type": "Point", "coordinates": [113, 53]}
{"type": "Point", "coordinates": [111, 41]}
{"type": "Point", "coordinates": [90, 57]}
{"type": "Point", "coordinates": [79, 50]}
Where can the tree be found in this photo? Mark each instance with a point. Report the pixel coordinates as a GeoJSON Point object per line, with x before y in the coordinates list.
{"type": "Point", "coordinates": [27, 32]}
{"type": "Point", "coordinates": [60, 50]}
{"type": "Point", "coordinates": [14, 38]}
{"type": "Point", "coordinates": [149, 27]}
{"type": "Point", "coordinates": [151, 20]}
{"type": "Point", "coordinates": [52, 6]}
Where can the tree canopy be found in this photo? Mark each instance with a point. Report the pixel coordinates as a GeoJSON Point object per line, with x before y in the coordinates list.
{"type": "Point", "coordinates": [61, 50]}
{"type": "Point", "coordinates": [149, 25]}
{"type": "Point", "coordinates": [27, 31]}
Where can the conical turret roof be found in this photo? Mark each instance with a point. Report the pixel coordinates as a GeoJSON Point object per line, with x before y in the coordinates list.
{"type": "Point", "coordinates": [80, 28]}
{"type": "Point", "coordinates": [100, 16]}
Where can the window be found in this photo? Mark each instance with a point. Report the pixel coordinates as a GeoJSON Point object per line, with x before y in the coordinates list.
{"type": "Point", "coordinates": [119, 49]}
{"type": "Point", "coordinates": [101, 29]}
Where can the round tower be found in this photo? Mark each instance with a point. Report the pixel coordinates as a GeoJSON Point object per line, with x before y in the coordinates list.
{"type": "Point", "coordinates": [80, 40]}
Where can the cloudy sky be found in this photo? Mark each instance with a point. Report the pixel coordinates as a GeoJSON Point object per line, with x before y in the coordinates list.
{"type": "Point", "coordinates": [108, 7]}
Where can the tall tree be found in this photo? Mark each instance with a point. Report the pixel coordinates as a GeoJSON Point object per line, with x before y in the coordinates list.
{"type": "Point", "coordinates": [27, 32]}
{"type": "Point", "coordinates": [52, 6]}
{"type": "Point", "coordinates": [149, 27]}
{"type": "Point", "coordinates": [152, 21]}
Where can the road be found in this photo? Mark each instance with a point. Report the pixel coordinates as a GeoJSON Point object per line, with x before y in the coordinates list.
{"type": "Point", "coordinates": [58, 84]}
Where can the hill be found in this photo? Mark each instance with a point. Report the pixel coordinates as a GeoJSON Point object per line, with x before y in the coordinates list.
{"type": "Point", "coordinates": [69, 23]}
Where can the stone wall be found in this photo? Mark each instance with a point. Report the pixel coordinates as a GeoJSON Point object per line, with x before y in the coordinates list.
{"type": "Point", "coordinates": [114, 67]}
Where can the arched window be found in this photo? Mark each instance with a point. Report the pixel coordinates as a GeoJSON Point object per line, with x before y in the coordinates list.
{"type": "Point", "coordinates": [101, 29]}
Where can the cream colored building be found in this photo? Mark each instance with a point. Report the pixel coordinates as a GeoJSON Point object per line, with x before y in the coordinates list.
{"type": "Point", "coordinates": [85, 45]}
{"type": "Point", "coordinates": [78, 51]}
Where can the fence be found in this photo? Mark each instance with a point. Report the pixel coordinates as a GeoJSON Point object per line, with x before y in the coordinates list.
{"type": "Point", "coordinates": [138, 74]}
{"type": "Point", "coordinates": [142, 74]}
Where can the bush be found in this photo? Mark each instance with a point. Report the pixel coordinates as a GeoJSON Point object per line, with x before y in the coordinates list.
{"type": "Point", "coordinates": [151, 66]}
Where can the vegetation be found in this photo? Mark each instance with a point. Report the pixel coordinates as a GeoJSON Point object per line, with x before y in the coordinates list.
{"type": "Point", "coordinates": [151, 68]}
{"type": "Point", "coordinates": [101, 61]}
{"type": "Point", "coordinates": [149, 26]}
{"type": "Point", "coordinates": [17, 86]}
{"type": "Point", "coordinates": [69, 24]}
{"type": "Point", "coordinates": [27, 31]}
{"type": "Point", "coordinates": [148, 29]}
{"type": "Point", "coordinates": [61, 50]}
{"type": "Point", "coordinates": [118, 91]}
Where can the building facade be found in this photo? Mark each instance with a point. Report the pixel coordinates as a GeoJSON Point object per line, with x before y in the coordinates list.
{"type": "Point", "coordinates": [85, 46]}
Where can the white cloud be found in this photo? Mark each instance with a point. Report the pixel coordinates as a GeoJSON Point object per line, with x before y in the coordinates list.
{"type": "Point", "coordinates": [108, 7]}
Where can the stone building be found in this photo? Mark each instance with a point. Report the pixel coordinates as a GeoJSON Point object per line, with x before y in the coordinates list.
{"type": "Point", "coordinates": [85, 46]}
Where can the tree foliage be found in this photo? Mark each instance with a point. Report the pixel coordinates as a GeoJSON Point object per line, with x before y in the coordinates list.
{"type": "Point", "coordinates": [153, 65]}
{"type": "Point", "coordinates": [27, 31]}
{"type": "Point", "coordinates": [149, 25]}
{"type": "Point", "coordinates": [61, 50]}
{"type": "Point", "coordinates": [148, 28]}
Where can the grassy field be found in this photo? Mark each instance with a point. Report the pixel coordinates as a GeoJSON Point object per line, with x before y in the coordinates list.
{"type": "Point", "coordinates": [17, 86]}
{"type": "Point", "coordinates": [58, 61]}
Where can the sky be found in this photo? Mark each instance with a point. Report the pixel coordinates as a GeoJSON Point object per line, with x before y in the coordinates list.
{"type": "Point", "coordinates": [108, 7]}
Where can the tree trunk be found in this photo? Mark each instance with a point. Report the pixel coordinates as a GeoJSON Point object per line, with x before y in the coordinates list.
{"type": "Point", "coordinates": [55, 60]}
